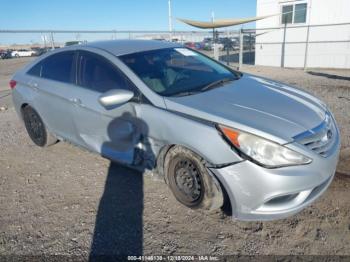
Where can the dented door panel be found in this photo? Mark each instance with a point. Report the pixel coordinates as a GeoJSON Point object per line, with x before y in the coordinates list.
{"type": "Point", "coordinates": [110, 132]}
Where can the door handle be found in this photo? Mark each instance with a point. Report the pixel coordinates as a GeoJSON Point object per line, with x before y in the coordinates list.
{"type": "Point", "coordinates": [34, 86]}
{"type": "Point", "coordinates": [76, 101]}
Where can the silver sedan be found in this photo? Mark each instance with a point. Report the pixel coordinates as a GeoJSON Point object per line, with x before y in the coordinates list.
{"type": "Point", "coordinates": [219, 137]}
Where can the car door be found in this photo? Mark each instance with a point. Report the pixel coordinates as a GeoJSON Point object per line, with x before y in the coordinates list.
{"type": "Point", "coordinates": [53, 82]}
{"type": "Point", "coordinates": [112, 132]}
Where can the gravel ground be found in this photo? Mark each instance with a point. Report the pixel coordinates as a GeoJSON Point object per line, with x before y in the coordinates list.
{"type": "Point", "coordinates": [64, 200]}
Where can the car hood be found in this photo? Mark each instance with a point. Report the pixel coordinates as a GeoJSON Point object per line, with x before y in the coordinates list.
{"type": "Point", "coordinates": [257, 105]}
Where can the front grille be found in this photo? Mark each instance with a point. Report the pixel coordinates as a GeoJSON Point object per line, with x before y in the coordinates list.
{"type": "Point", "coordinates": [320, 139]}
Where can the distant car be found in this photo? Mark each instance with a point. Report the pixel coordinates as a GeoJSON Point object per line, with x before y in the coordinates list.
{"type": "Point", "coordinates": [229, 45]}
{"type": "Point", "coordinates": [199, 45]}
{"type": "Point", "coordinates": [5, 54]}
{"type": "Point", "coordinates": [40, 51]}
{"type": "Point", "coordinates": [191, 45]}
{"type": "Point", "coordinates": [195, 45]}
{"type": "Point", "coordinates": [208, 46]}
{"type": "Point", "coordinates": [214, 134]}
{"type": "Point", "coordinates": [23, 53]}
{"type": "Point", "coordinates": [159, 39]}
{"type": "Point", "coordinates": [69, 43]}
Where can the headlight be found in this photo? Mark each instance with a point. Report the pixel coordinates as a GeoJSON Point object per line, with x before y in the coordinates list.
{"type": "Point", "coordinates": [262, 151]}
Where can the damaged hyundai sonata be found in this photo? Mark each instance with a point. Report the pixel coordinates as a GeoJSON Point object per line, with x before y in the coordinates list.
{"type": "Point", "coordinates": [215, 134]}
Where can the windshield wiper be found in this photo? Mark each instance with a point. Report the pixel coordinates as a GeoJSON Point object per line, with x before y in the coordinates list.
{"type": "Point", "coordinates": [205, 88]}
{"type": "Point", "coordinates": [216, 83]}
{"type": "Point", "coordinates": [186, 93]}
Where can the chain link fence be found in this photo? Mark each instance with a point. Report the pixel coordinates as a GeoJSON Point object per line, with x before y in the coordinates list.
{"type": "Point", "coordinates": [324, 45]}
{"type": "Point", "coordinates": [298, 46]}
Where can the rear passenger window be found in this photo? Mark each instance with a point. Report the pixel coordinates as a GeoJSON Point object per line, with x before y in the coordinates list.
{"type": "Point", "coordinates": [59, 67]}
{"type": "Point", "coordinates": [98, 74]}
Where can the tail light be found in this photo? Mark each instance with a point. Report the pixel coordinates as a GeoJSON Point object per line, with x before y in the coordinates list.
{"type": "Point", "coordinates": [13, 84]}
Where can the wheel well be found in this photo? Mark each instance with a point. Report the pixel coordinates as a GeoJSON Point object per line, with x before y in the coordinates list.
{"type": "Point", "coordinates": [160, 159]}
{"type": "Point", "coordinates": [22, 107]}
{"type": "Point", "coordinates": [162, 154]}
{"type": "Point", "coordinates": [227, 205]}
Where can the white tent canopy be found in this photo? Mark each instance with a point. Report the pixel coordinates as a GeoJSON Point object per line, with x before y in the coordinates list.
{"type": "Point", "coordinates": [221, 22]}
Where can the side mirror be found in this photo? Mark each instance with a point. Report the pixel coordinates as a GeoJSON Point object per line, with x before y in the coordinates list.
{"type": "Point", "coordinates": [115, 97]}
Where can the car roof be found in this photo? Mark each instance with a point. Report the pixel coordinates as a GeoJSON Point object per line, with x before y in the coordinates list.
{"type": "Point", "coordinates": [123, 47]}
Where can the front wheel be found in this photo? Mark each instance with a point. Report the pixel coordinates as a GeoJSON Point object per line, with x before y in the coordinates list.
{"type": "Point", "coordinates": [190, 181]}
{"type": "Point", "coordinates": [36, 128]}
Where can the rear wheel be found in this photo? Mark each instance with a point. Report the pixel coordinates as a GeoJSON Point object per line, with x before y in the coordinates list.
{"type": "Point", "coordinates": [190, 181]}
{"type": "Point", "coordinates": [36, 128]}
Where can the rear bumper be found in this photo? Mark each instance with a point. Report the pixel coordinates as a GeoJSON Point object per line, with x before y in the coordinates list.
{"type": "Point", "coordinates": [257, 193]}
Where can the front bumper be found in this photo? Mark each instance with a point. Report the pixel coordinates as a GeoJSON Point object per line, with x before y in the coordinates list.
{"type": "Point", "coordinates": [258, 193]}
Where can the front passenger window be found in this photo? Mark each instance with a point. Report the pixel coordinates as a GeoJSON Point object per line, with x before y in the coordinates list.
{"type": "Point", "coordinates": [98, 74]}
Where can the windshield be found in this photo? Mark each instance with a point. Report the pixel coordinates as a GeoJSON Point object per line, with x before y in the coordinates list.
{"type": "Point", "coordinates": [178, 71]}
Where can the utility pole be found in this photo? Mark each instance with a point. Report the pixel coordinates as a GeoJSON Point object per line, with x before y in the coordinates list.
{"type": "Point", "coordinates": [52, 41]}
{"type": "Point", "coordinates": [284, 42]}
{"type": "Point", "coordinates": [307, 36]}
{"type": "Point", "coordinates": [43, 37]}
{"type": "Point", "coordinates": [212, 20]}
{"type": "Point", "coordinates": [241, 46]}
{"type": "Point", "coordinates": [215, 46]}
{"type": "Point", "coordinates": [170, 21]}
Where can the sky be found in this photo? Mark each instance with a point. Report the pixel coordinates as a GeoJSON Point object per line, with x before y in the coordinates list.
{"type": "Point", "coordinates": [115, 14]}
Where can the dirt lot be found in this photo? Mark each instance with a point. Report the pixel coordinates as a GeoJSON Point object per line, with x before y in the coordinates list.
{"type": "Point", "coordinates": [62, 200]}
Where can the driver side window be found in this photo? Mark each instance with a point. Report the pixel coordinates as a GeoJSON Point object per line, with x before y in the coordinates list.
{"type": "Point", "coordinates": [98, 74]}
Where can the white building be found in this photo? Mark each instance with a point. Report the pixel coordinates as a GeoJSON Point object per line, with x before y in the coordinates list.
{"type": "Point", "coordinates": [329, 44]}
